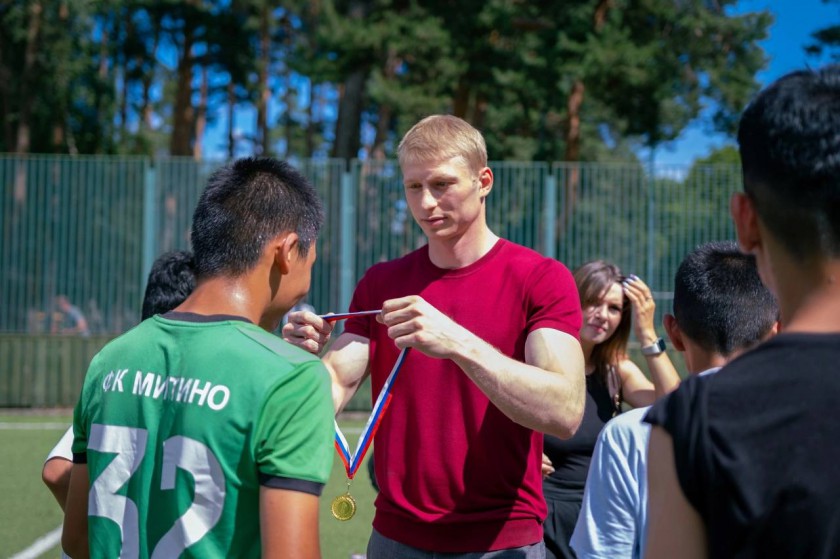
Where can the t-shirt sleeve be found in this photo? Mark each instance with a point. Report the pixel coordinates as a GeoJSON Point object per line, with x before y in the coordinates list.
{"type": "Point", "coordinates": [79, 446]}
{"type": "Point", "coordinates": [361, 301]}
{"type": "Point", "coordinates": [294, 434]}
{"type": "Point", "coordinates": [64, 448]}
{"type": "Point", "coordinates": [682, 414]}
{"type": "Point", "coordinates": [607, 523]}
{"type": "Point", "coordinates": [553, 299]}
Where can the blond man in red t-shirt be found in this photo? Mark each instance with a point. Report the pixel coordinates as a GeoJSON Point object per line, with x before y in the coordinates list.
{"type": "Point", "coordinates": [495, 362]}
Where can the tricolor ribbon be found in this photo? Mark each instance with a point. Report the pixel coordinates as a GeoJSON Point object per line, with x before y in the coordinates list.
{"type": "Point", "coordinates": [352, 461]}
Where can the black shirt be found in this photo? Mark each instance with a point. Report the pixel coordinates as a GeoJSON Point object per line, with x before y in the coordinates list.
{"type": "Point", "coordinates": [571, 457]}
{"type": "Point", "coordinates": [757, 449]}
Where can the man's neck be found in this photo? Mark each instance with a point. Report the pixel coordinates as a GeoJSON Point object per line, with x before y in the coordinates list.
{"type": "Point", "coordinates": [809, 302]}
{"type": "Point", "coordinates": [698, 360]}
{"type": "Point", "coordinates": [451, 254]}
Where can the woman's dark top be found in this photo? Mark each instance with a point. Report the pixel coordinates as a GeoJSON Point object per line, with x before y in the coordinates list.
{"type": "Point", "coordinates": [571, 457]}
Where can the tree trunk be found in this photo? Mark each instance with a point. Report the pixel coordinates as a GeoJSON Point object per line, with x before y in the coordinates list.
{"type": "Point", "coordinates": [146, 107]}
{"type": "Point", "coordinates": [352, 96]}
{"type": "Point", "coordinates": [573, 123]}
{"type": "Point", "coordinates": [262, 85]}
{"type": "Point", "coordinates": [572, 154]}
{"type": "Point", "coordinates": [600, 16]}
{"type": "Point", "coordinates": [573, 136]}
{"type": "Point", "coordinates": [102, 77]}
{"type": "Point", "coordinates": [231, 92]}
{"type": "Point", "coordinates": [480, 111]}
{"type": "Point", "coordinates": [383, 126]}
{"type": "Point", "coordinates": [183, 113]}
{"type": "Point", "coordinates": [288, 122]}
{"type": "Point", "coordinates": [33, 30]}
{"type": "Point", "coordinates": [309, 133]}
{"type": "Point", "coordinates": [125, 25]}
{"type": "Point", "coordinates": [23, 138]}
{"type": "Point", "coordinates": [348, 125]}
{"type": "Point", "coordinates": [576, 96]}
{"type": "Point", "coordinates": [461, 103]}
{"type": "Point", "coordinates": [5, 103]}
{"type": "Point", "coordinates": [201, 116]}
{"type": "Point", "coordinates": [59, 136]}
{"type": "Point", "coordinates": [146, 112]}
{"type": "Point", "coordinates": [383, 122]}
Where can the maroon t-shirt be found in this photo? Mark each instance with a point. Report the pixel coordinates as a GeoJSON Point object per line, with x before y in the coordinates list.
{"type": "Point", "coordinates": [455, 474]}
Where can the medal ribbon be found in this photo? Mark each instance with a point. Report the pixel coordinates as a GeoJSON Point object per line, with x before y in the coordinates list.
{"type": "Point", "coordinates": [354, 460]}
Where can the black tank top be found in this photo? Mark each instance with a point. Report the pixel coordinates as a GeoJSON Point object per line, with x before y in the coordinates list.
{"type": "Point", "coordinates": [571, 457]}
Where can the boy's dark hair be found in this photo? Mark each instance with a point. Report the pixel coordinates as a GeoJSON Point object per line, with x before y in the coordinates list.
{"type": "Point", "coordinates": [719, 300]}
{"type": "Point", "coordinates": [789, 140]}
{"type": "Point", "coordinates": [246, 204]}
{"type": "Point", "coordinates": [171, 281]}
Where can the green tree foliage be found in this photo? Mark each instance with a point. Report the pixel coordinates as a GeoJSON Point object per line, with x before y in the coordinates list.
{"type": "Point", "coordinates": [392, 62]}
{"type": "Point", "coordinates": [545, 81]}
{"type": "Point", "coordinates": [52, 89]}
{"type": "Point", "coordinates": [826, 40]}
{"type": "Point", "coordinates": [571, 71]}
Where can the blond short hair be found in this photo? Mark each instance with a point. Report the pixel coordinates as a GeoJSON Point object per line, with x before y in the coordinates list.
{"type": "Point", "coordinates": [439, 137]}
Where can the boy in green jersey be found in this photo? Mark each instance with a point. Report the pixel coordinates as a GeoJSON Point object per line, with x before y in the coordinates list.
{"type": "Point", "coordinates": [198, 433]}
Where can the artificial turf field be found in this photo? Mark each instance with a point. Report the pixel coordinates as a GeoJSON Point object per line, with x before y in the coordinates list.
{"type": "Point", "coordinates": [28, 511]}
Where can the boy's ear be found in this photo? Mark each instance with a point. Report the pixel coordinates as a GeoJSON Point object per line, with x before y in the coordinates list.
{"type": "Point", "coordinates": [742, 209]}
{"type": "Point", "coordinates": [285, 251]}
{"type": "Point", "coordinates": [674, 332]}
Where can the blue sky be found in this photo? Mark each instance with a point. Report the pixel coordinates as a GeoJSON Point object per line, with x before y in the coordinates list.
{"type": "Point", "coordinates": [794, 23]}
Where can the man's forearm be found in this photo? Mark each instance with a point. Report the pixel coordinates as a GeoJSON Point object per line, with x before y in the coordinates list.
{"type": "Point", "coordinates": [550, 401]}
{"type": "Point", "coordinates": [347, 363]}
{"type": "Point", "coordinates": [341, 393]}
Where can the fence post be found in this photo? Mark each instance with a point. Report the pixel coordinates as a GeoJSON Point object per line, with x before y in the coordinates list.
{"type": "Point", "coordinates": [347, 240]}
{"type": "Point", "coordinates": [651, 223]}
{"type": "Point", "coordinates": [149, 221]}
{"type": "Point", "coordinates": [550, 216]}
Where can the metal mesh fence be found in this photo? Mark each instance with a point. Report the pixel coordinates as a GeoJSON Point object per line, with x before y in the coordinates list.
{"type": "Point", "coordinates": [89, 227]}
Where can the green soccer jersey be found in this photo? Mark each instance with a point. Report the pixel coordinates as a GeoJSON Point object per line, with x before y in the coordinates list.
{"type": "Point", "coordinates": [182, 419]}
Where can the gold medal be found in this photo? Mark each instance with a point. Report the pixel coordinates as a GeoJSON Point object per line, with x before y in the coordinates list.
{"type": "Point", "coordinates": [344, 506]}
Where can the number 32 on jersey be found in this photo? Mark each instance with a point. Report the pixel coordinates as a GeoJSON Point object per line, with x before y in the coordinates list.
{"type": "Point", "coordinates": [190, 455]}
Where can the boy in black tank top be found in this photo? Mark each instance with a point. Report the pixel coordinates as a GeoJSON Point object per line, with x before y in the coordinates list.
{"type": "Point", "coordinates": [743, 463]}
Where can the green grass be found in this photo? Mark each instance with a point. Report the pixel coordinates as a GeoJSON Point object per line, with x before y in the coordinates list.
{"type": "Point", "coordinates": [29, 510]}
